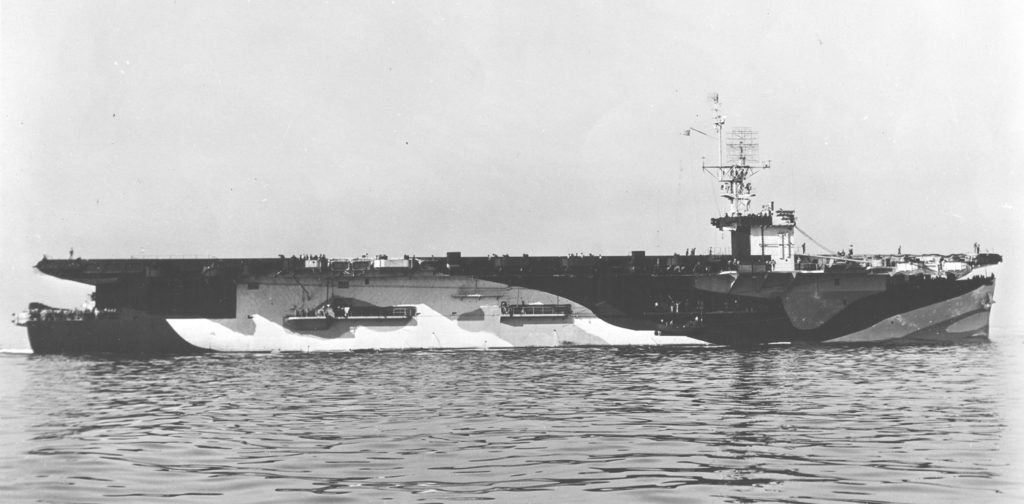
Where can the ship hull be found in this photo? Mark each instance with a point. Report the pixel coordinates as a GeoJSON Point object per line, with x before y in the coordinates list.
{"type": "Point", "coordinates": [133, 333]}
{"type": "Point", "coordinates": [943, 312]}
{"type": "Point", "coordinates": [464, 312]}
{"type": "Point", "coordinates": [451, 312]}
{"type": "Point", "coordinates": [963, 318]}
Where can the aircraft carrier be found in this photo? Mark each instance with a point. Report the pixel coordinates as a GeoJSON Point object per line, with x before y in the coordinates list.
{"type": "Point", "coordinates": [766, 289]}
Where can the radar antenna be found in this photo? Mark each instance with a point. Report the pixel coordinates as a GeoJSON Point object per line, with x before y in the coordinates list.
{"type": "Point", "coordinates": [733, 174]}
{"type": "Point", "coordinates": [761, 241]}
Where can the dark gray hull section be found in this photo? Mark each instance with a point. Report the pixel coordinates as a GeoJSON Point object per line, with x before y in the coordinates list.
{"type": "Point", "coordinates": [131, 333]}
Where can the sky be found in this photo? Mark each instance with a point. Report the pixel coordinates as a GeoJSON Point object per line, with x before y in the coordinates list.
{"type": "Point", "coordinates": [252, 129]}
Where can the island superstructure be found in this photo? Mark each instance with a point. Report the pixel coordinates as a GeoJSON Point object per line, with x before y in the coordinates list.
{"type": "Point", "coordinates": [763, 291]}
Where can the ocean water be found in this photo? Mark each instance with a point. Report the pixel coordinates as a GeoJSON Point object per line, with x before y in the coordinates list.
{"type": "Point", "coordinates": [779, 424]}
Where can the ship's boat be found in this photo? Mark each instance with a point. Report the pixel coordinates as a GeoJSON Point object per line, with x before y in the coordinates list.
{"type": "Point", "coordinates": [536, 311]}
{"type": "Point", "coordinates": [764, 289]}
{"type": "Point", "coordinates": [325, 317]}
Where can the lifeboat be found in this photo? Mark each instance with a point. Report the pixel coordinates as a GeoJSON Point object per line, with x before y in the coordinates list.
{"type": "Point", "coordinates": [535, 311]}
{"type": "Point", "coordinates": [324, 318]}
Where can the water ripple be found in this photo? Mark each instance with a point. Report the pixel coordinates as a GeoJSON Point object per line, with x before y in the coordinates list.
{"type": "Point", "coordinates": [857, 424]}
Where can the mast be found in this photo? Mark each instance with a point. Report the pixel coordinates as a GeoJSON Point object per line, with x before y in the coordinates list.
{"type": "Point", "coordinates": [719, 124]}
{"type": "Point", "coordinates": [767, 233]}
{"type": "Point", "coordinates": [733, 174]}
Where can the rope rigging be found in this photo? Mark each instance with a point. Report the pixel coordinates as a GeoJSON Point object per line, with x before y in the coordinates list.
{"type": "Point", "coordinates": [809, 237]}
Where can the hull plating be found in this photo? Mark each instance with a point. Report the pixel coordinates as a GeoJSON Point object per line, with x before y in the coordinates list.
{"type": "Point", "coordinates": [451, 312]}
{"type": "Point", "coordinates": [965, 317]}
{"type": "Point", "coordinates": [132, 333]}
{"type": "Point", "coordinates": [466, 312]}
